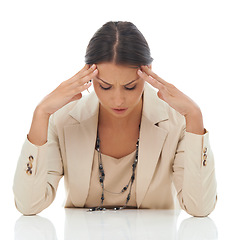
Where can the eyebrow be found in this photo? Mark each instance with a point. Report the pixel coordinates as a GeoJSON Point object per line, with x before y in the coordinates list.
{"type": "Point", "coordinates": [123, 85]}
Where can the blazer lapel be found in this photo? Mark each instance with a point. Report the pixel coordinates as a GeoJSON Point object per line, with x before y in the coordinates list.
{"type": "Point", "coordinates": [80, 142]}
{"type": "Point", "coordinates": [152, 137]}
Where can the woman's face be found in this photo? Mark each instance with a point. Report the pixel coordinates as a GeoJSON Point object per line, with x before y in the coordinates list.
{"type": "Point", "coordinates": [119, 88]}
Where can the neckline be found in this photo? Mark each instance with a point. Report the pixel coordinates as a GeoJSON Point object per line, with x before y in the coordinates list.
{"type": "Point", "coordinates": [117, 159]}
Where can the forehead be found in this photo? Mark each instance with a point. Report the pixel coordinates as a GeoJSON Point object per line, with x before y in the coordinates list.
{"type": "Point", "coordinates": [116, 73]}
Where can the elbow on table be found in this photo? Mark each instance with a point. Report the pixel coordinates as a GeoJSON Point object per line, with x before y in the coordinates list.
{"type": "Point", "coordinates": [203, 211]}
{"type": "Point", "coordinates": [26, 209]}
{"type": "Point", "coordinates": [199, 213]}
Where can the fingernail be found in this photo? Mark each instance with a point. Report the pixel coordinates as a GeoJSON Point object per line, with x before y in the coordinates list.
{"type": "Point", "coordinates": [93, 66]}
{"type": "Point", "coordinates": [95, 71]}
{"type": "Point", "coordinates": [139, 71]}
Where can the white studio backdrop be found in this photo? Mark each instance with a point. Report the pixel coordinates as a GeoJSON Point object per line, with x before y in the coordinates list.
{"type": "Point", "coordinates": [195, 46]}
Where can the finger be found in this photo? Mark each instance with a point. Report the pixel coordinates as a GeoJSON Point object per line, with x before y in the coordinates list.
{"type": "Point", "coordinates": [80, 88]}
{"type": "Point", "coordinates": [91, 69]}
{"type": "Point", "coordinates": [84, 80]}
{"type": "Point", "coordinates": [84, 72]}
{"type": "Point", "coordinates": [86, 67]}
{"type": "Point", "coordinates": [163, 92]}
{"type": "Point", "coordinates": [150, 79]}
{"type": "Point", "coordinates": [88, 77]}
{"type": "Point", "coordinates": [148, 71]}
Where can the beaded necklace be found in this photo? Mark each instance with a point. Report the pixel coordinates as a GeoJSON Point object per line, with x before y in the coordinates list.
{"type": "Point", "coordinates": [102, 177]}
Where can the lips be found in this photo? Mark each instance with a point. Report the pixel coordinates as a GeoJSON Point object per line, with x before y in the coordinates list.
{"type": "Point", "coordinates": [119, 110]}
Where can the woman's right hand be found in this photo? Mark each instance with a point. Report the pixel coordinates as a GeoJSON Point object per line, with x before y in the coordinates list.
{"type": "Point", "coordinates": [68, 91]}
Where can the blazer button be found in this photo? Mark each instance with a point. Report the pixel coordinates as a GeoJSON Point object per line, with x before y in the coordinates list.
{"type": "Point", "coordinates": [205, 159]}
{"type": "Point", "coordinates": [29, 165]}
{"type": "Point", "coordinates": [205, 150]}
{"type": "Point", "coordinates": [29, 171]}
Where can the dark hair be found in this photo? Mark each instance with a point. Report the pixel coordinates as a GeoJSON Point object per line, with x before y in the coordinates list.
{"type": "Point", "coordinates": [118, 42]}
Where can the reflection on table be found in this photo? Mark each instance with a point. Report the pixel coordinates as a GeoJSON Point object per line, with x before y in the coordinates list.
{"type": "Point", "coordinates": [138, 224]}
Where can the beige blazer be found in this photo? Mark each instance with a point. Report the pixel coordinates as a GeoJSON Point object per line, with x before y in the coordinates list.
{"type": "Point", "coordinates": [172, 162]}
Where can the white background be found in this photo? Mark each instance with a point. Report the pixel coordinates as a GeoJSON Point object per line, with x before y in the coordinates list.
{"type": "Point", "coordinates": [195, 46]}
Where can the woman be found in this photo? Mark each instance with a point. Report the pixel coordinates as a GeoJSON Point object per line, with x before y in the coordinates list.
{"type": "Point", "coordinates": [123, 145]}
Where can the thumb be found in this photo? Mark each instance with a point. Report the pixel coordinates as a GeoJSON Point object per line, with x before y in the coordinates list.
{"type": "Point", "coordinates": [160, 95]}
{"type": "Point", "coordinates": [76, 97]}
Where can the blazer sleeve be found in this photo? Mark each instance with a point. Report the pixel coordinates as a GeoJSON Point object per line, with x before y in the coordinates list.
{"type": "Point", "coordinates": [194, 174]}
{"type": "Point", "coordinates": [37, 175]}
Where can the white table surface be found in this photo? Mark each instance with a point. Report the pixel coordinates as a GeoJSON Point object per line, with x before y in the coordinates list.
{"type": "Point", "coordinates": [124, 224]}
{"type": "Point", "coordinates": [57, 222]}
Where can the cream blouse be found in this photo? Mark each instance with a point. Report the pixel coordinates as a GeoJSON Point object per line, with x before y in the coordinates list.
{"type": "Point", "coordinates": [118, 172]}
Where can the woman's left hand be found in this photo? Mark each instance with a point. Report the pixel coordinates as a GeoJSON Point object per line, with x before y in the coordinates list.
{"type": "Point", "coordinates": [169, 93]}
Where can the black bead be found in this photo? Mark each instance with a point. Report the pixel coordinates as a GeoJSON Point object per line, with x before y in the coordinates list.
{"type": "Point", "coordinates": [101, 180]}
{"type": "Point", "coordinates": [133, 177]}
{"type": "Point", "coordinates": [103, 174]}
{"type": "Point", "coordinates": [100, 166]}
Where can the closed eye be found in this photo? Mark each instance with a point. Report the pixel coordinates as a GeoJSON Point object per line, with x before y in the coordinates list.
{"type": "Point", "coordinates": [132, 88]}
{"type": "Point", "coordinates": [104, 87]}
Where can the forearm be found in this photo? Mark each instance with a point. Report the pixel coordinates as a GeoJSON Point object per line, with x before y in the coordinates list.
{"type": "Point", "coordinates": [39, 128]}
{"type": "Point", "coordinates": [194, 122]}
{"type": "Point", "coordinates": [193, 177]}
{"type": "Point", "coordinates": [35, 189]}
{"type": "Point", "coordinates": [199, 181]}
{"type": "Point", "coordinates": [30, 187]}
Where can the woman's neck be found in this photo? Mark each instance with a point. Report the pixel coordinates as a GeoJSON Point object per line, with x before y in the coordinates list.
{"type": "Point", "coordinates": [106, 119]}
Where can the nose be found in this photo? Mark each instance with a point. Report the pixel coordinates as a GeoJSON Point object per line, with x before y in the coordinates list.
{"type": "Point", "coordinates": [119, 98]}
